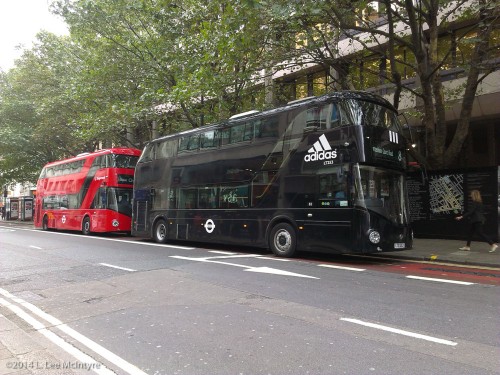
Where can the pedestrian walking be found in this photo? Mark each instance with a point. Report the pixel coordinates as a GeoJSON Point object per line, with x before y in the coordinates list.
{"type": "Point", "coordinates": [476, 218]}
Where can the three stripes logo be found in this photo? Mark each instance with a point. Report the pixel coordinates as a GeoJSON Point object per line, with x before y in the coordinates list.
{"type": "Point", "coordinates": [393, 137]}
{"type": "Point", "coordinates": [321, 150]}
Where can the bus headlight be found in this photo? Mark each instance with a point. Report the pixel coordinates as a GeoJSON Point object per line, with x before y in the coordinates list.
{"type": "Point", "coordinates": [374, 237]}
{"type": "Point", "coordinates": [115, 223]}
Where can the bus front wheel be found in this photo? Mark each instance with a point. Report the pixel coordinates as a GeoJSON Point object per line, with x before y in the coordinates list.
{"type": "Point", "coordinates": [160, 231]}
{"type": "Point", "coordinates": [86, 226]}
{"type": "Point", "coordinates": [283, 240]}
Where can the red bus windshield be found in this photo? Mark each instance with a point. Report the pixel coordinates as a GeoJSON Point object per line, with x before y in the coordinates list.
{"type": "Point", "coordinates": [88, 193]}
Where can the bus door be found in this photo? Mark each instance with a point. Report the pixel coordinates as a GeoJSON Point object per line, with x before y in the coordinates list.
{"type": "Point", "coordinates": [186, 220]}
{"type": "Point", "coordinates": [234, 201]}
{"type": "Point", "coordinates": [97, 212]}
{"type": "Point", "coordinates": [328, 222]}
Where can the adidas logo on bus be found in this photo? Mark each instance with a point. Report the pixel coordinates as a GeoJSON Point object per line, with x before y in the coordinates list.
{"type": "Point", "coordinates": [321, 150]}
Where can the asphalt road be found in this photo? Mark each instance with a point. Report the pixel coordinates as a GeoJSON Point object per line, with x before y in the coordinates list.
{"type": "Point", "coordinates": [135, 307]}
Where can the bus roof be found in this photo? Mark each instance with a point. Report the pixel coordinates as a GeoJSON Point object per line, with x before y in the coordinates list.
{"type": "Point", "coordinates": [339, 95]}
{"type": "Point", "coordinates": [82, 156]}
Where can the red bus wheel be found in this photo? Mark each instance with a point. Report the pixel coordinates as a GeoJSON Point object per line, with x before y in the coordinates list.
{"type": "Point", "coordinates": [86, 226]}
{"type": "Point", "coordinates": [45, 223]}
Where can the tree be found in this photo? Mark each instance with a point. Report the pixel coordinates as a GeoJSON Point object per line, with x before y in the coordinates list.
{"type": "Point", "coordinates": [410, 44]}
{"type": "Point", "coordinates": [129, 72]}
{"type": "Point", "coordinates": [36, 111]}
{"type": "Point", "coordinates": [193, 61]}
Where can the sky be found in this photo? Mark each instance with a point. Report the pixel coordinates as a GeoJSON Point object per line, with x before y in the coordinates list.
{"type": "Point", "coordinates": [20, 21]}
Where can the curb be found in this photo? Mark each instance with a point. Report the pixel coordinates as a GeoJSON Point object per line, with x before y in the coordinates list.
{"type": "Point", "coordinates": [438, 259]}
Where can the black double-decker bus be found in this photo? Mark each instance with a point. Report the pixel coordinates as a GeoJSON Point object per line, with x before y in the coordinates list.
{"type": "Point", "coordinates": [321, 174]}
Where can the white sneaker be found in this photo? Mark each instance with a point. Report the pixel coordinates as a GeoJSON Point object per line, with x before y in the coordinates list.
{"type": "Point", "coordinates": [465, 248]}
{"type": "Point", "coordinates": [493, 248]}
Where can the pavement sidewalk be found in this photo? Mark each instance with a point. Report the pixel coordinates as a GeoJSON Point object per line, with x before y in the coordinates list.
{"type": "Point", "coordinates": [447, 251]}
{"type": "Point", "coordinates": [438, 250]}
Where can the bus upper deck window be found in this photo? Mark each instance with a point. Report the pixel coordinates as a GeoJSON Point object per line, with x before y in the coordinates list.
{"type": "Point", "coordinates": [313, 117]}
{"type": "Point", "coordinates": [183, 144]}
{"type": "Point", "coordinates": [208, 140]}
{"type": "Point", "coordinates": [237, 133]}
{"type": "Point", "coordinates": [99, 162]}
{"type": "Point", "coordinates": [266, 128]}
{"type": "Point", "coordinates": [224, 136]}
{"type": "Point", "coordinates": [334, 118]}
{"type": "Point", "coordinates": [149, 153]}
{"type": "Point", "coordinates": [194, 142]}
{"type": "Point", "coordinates": [248, 131]}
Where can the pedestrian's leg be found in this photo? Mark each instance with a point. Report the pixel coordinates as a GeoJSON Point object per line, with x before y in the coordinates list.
{"type": "Point", "coordinates": [479, 231]}
{"type": "Point", "coordinates": [472, 229]}
{"type": "Point", "coordinates": [487, 239]}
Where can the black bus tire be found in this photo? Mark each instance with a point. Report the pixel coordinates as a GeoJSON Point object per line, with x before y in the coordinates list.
{"type": "Point", "coordinates": [160, 231]}
{"type": "Point", "coordinates": [86, 226]}
{"type": "Point", "coordinates": [45, 223]}
{"type": "Point", "coordinates": [283, 240]}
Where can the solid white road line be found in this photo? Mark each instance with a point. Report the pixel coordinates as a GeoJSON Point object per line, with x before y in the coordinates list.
{"type": "Point", "coordinates": [400, 332]}
{"type": "Point", "coordinates": [246, 255]}
{"type": "Point", "coordinates": [342, 268]}
{"type": "Point", "coordinates": [276, 259]}
{"type": "Point", "coordinates": [84, 359]}
{"type": "Point", "coordinates": [233, 256]}
{"type": "Point", "coordinates": [439, 280]}
{"type": "Point", "coordinates": [109, 239]}
{"type": "Point", "coordinates": [117, 267]}
{"type": "Point", "coordinates": [95, 347]}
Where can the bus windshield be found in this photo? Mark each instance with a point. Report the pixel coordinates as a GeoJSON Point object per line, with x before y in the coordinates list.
{"type": "Point", "coordinates": [120, 200]}
{"type": "Point", "coordinates": [116, 199]}
{"type": "Point", "coordinates": [365, 113]}
{"type": "Point", "coordinates": [123, 161]}
{"type": "Point", "coordinates": [381, 191]}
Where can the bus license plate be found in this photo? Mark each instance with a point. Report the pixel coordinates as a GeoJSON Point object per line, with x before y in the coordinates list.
{"type": "Point", "coordinates": [399, 245]}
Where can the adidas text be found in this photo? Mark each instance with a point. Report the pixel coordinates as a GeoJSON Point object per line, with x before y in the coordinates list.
{"type": "Point", "coordinates": [322, 155]}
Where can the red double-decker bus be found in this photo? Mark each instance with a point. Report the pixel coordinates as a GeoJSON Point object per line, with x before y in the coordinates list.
{"type": "Point", "coordinates": [91, 192]}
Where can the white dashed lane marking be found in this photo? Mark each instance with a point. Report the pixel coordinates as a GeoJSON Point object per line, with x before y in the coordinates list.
{"type": "Point", "coordinates": [400, 331]}
{"type": "Point", "coordinates": [117, 267]}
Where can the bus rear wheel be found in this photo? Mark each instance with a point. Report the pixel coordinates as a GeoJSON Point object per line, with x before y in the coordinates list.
{"type": "Point", "coordinates": [86, 226]}
{"type": "Point", "coordinates": [160, 231]}
{"type": "Point", "coordinates": [283, 240]}
{"type": "Point", "coordinates": [45, 223]}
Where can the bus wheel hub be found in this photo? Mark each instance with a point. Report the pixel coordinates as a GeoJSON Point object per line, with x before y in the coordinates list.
{"type": "Point", "coordinates": [283, 240]}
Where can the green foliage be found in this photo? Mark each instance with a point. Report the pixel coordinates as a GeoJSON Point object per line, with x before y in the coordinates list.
{"type": "Point", "coordinates": [132, 70]}
{"type": "Point", "coordinates": [35, 112]}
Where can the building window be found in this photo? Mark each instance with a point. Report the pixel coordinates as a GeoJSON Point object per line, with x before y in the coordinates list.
{"type": "Point", "coordinates": [319, 83]}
